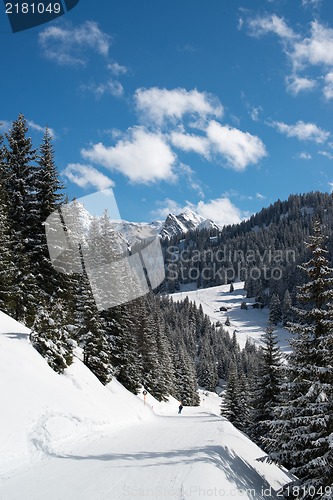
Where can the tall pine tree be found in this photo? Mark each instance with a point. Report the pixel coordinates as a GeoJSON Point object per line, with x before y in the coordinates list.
{"type": "Point", "coordinates": [48, 199]}
{"type": "Point", "coordinates": [275, 313]}
{"type": "Point", "coordinates": [20, 185]}
{"type": "Point", "coordinates": [7, 269]}
{"type": "Point", "coordinates": [267, 391]}
{"type": "Point", "coordinates": [125, 356]}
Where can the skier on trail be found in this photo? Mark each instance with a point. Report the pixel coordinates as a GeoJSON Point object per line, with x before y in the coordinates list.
{"type": "Point", "coordinates": [180, 408]}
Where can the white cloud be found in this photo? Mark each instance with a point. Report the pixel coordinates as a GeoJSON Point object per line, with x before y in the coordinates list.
{"type": "Point", "coordinates": [143, 157]}
{"type": "Point", "coordinates": [117, 69]}
{"type": "Point", "coordinates": [188, 142]}
{"type": "Point", "coordinates": [231, 193]}
{"type": "Point", "coordinates": [86, 175]}
{"type": "Point", "coordinates": [328, 88]}
{"type": "Point", "coordinates": [6, 125]}
{"type": "Point", "coordinates": [148, 155]}
{"type": "Point", "coordinates": [314, 49]}
{"type": "Point", "coordinates": [303, 156]}
{"type": "Point", "coordinates": [317, 49]}
{"type": "Point", "coordinates": [65, 44]}
{"type": "Point", "coordinates": [41, 129]}
{"type": "Point", "coordinates": [191, 179]}
{"type": "Point", "coordinates": [260, 196]}
{"type": "Point", "coordinates": [326, 154]}
{"type": "Point", "coordinates": [303, 131]}
{"type": "Point", "coordinates": [220, 210]}
{"type": "Point", "coordinates": [297, 84]}
{"type": "Point", "coordinates": [157, 105]}
{"type": "Point", "coordinates": [255, 112]}
{"type": "Point", "coordinates": [239, 148]}
{"type": "Point", "coordinates": [167, 207]}
{"type": "Point", "coordinates": [111, 87]}
{"type": "Point", "coordinates": [270, 24]}
{"type": "Point", "coordinates": [311, 3]}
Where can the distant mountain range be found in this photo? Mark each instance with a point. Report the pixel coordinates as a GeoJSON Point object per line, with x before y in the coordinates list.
{"type": "Point", "coordinates": [174, 225]}
{"type": "Point", "coordinates": [135, 232]}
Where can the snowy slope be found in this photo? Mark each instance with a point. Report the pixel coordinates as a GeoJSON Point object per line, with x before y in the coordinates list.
{"type": "Point", "coordinates": [68, 437]}
{"type": "Point", "coordinates": [247, 323]}
{"type": "Point", "coordinates": [42, 410]}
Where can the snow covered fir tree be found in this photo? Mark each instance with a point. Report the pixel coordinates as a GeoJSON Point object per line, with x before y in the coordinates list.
{"type": "Point", "coordinates": [267, 391]}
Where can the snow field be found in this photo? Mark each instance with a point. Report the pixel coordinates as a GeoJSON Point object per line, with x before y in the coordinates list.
{"type": "Point", "coordinates": [250, 323]}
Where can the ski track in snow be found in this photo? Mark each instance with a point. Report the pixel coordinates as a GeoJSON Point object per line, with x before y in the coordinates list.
{"type": "Point", "coordinates": [191, 456]}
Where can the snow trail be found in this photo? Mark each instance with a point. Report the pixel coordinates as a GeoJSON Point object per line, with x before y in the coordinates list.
{"type": "Point", "coordinates": [190, 456]}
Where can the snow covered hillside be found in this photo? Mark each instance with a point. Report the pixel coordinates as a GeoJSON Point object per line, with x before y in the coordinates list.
{"type": "Point", "coordinates": [43, 410]}
{"type": "Point", "coordinates": [68, 437]}
{"type": "Point", "coordinates": [247, 323]}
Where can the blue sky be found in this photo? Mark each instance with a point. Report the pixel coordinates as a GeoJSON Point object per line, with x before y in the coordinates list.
{"type": "Point", "coordinates": [221, 106]}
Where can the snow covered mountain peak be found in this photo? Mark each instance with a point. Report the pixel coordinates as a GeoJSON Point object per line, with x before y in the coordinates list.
{"type": "Point", "coordinates": [184, 222]}
{"type": "Point", "coordinates": [191, 217]}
